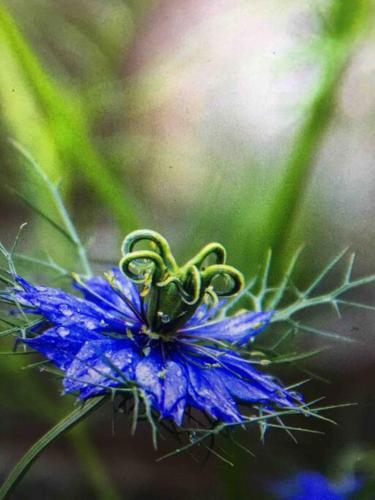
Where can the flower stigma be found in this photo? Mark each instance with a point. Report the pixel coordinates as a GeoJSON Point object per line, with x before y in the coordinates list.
{"type": "Point", "coordinates": [172, 293]}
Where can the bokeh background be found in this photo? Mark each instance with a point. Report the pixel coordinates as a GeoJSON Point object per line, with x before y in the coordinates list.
{"type": "Point", "coordinates": [247, 122]}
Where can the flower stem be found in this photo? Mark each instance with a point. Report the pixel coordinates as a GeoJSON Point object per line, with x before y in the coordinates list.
{"type": "Point", "coordinates": [63, 132]}
{"type": "Point", "coordinates": [92, 465]}
{"type": "Point", "coordinates": [37, 448]}
{"type": "Point", "coordinates": [344, 24]}
{"type": "Point", "coordinates": [53, 188]}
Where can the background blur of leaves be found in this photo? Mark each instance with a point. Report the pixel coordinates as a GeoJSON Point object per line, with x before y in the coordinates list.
{"type": "Point", "coordinates": [246, 122]}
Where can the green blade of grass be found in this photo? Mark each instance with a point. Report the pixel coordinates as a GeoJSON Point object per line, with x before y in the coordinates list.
{"type": "Point", "coordinates": [64, 123]}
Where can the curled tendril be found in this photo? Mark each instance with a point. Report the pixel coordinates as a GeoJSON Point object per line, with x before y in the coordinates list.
{"type": "Point", "coordinates": [157, 239]}
{"type": "Point", "coordinates": [211, 249]}
{"type": "Point", "coordinates": [212, 272]}
{"type": "Point", "coordinates": [212, 296]}
{"type": "Point", "coordinates": [189, 288]}
{"type": "Point", "coordinates": [172, 291]}
{"type": "Point", "coordinates": [152, 265]}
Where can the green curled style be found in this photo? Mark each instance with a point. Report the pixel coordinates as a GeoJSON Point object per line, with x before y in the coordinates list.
{"type": "Point", "coordinates": [236, 278]}
{"type": "Point", "coordinates": [211, 249]}
{"type": "Point", "coordinates": [189, 288]}
{"type": "Point", "coordinates": [171, 291]}
{"type": "Point", "coordinates": [138, 271]}
{"type": "Point", "coordinates": [151, 236]}
{"type": "Point", "coordinates": [212, 296]}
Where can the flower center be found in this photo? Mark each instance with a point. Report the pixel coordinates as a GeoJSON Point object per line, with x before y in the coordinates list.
{"type": "Point", "coordinates": [172, 293]}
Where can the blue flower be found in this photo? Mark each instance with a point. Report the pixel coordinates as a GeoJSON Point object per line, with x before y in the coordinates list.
{"type": "Point", "coordinates": [152, 326]}
{"type": "Point", "coordinates": [311, 485]}
{"type": "Point", "coordinates": [102, 342]}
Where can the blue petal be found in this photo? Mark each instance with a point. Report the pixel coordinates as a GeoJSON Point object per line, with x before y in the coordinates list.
{"type": "Point", "coordinates": [241, 379]}
{"type": "Point", "coordinates": [129, 288]}
{"type": "Point", "coordinates": [149, 375]}
{"type": "Point", "coordinates": [127, 301]}
{"type": "Point", "coordinates": [237, 329]}
{"type": "Point", "coordinates": [204, 313]}
{"type": "Point", "coordinates": [207, 393]}
{"type": "Point", "coordinates": [238, 372]}
{"type": "Point", "coordinates": [60, 344]}
{"type": "Point", "coordinates": [24, 284]}
{"type": "Point", "coordinates": [98, 364]}
{"type": "Point", "coordinates": [66, 310]}
{"type": "Point", "coordinates": [309, 485]}
{"type": "Point", "coordinates": [165, 382]}
{"type": "Point", "coordinates": [244, 390]}
{"type": "Point", "coordinates": [175, 391]}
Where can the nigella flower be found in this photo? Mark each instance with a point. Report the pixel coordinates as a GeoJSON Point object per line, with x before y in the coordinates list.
{"type": "Point", "coordinates": [154, 325]}
{"type": "Point", "coordinates": [309, 485]}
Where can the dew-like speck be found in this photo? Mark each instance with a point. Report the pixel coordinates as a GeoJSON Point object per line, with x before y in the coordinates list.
{"type": "Point", "coordinates": [65, 310]}
{"type": "Point", "coordinates": [165, 318]}
{"type": "Point", "coordinates": [63, 332]}
{"type": "Point", "coordinates": [90, 324]}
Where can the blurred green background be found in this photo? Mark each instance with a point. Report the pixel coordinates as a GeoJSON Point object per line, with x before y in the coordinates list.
{"type": "Point", "coordinates": [246, 122]}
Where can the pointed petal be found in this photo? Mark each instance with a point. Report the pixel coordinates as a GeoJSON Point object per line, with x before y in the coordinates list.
{"type": "Point", "coordinates": [178, 411]}
{"type": "Point", "coordinates": [175, 390]}
{"type": "Point", "coordinates": [149, 374]}
{"type": "Point", "coordinates": [243, 390]}
{"type": "Point", "coordinates": [165, 382]}
{"type": "Point", "coordinates": [245, 382]}
{"type": "Point", "coordinates": [204, 313]}
{"type": "Point", "coordinates": [59, 344]}
{"type": "Point", "coordinates": [242, 380]}
{"type": "Point", "coordinates": [64, 309]}
{"type": "Point", "coordinates": [207, 393]}
{"type": "Point", "coordinates": [98, 290]}
{"type": "Point", "coordinates": [98, 364]}
{"type": "Point", "coordinates": [236, 329]}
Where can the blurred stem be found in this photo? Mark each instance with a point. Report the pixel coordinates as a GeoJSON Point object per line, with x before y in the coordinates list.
{"type": "Point", "coordinates": [92, 465]}
{"type": "Point", "coordinates": [53, 125]}
{"type": "Point", "coordinates": [41, 405]}
{"type": "Point", "coordinates": [343, 21]}
{"type": "Point", "coordinates": [62, 211]}
{"type": "Point", "coordinates": [39, 446]}
{"type": "Point", "coordinates": [234, 486]}
{"type": "Point", "coordinates": [342, 25]}
{"type": "Point", "coordinates": [64, 119]}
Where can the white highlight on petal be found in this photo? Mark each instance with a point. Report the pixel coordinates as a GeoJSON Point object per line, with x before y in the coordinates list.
{"type": "Point", "coordinates": [63, 332]}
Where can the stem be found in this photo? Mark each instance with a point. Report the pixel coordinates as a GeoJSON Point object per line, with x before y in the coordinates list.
{"type": "Point", "coordinates": [342, 23]}
{"type": "Point", "coordinates": [344, 20]}
{"type": "Point", "coordinates": [307, 302]}
{"type": "Point", "coordinates": [63, 123]}
{"type": "Point", "coordinates": [81, 250]}
{"type": "Point", "coordinates": [92, 465]}
{"type": "Point", "coordinates": [37, 448]}
{"type": "Point", "coordinates": [54, 190]}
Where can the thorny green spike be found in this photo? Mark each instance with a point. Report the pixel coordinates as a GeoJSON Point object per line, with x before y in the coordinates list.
{"type": "Point", "coordinates": [174, 292]}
